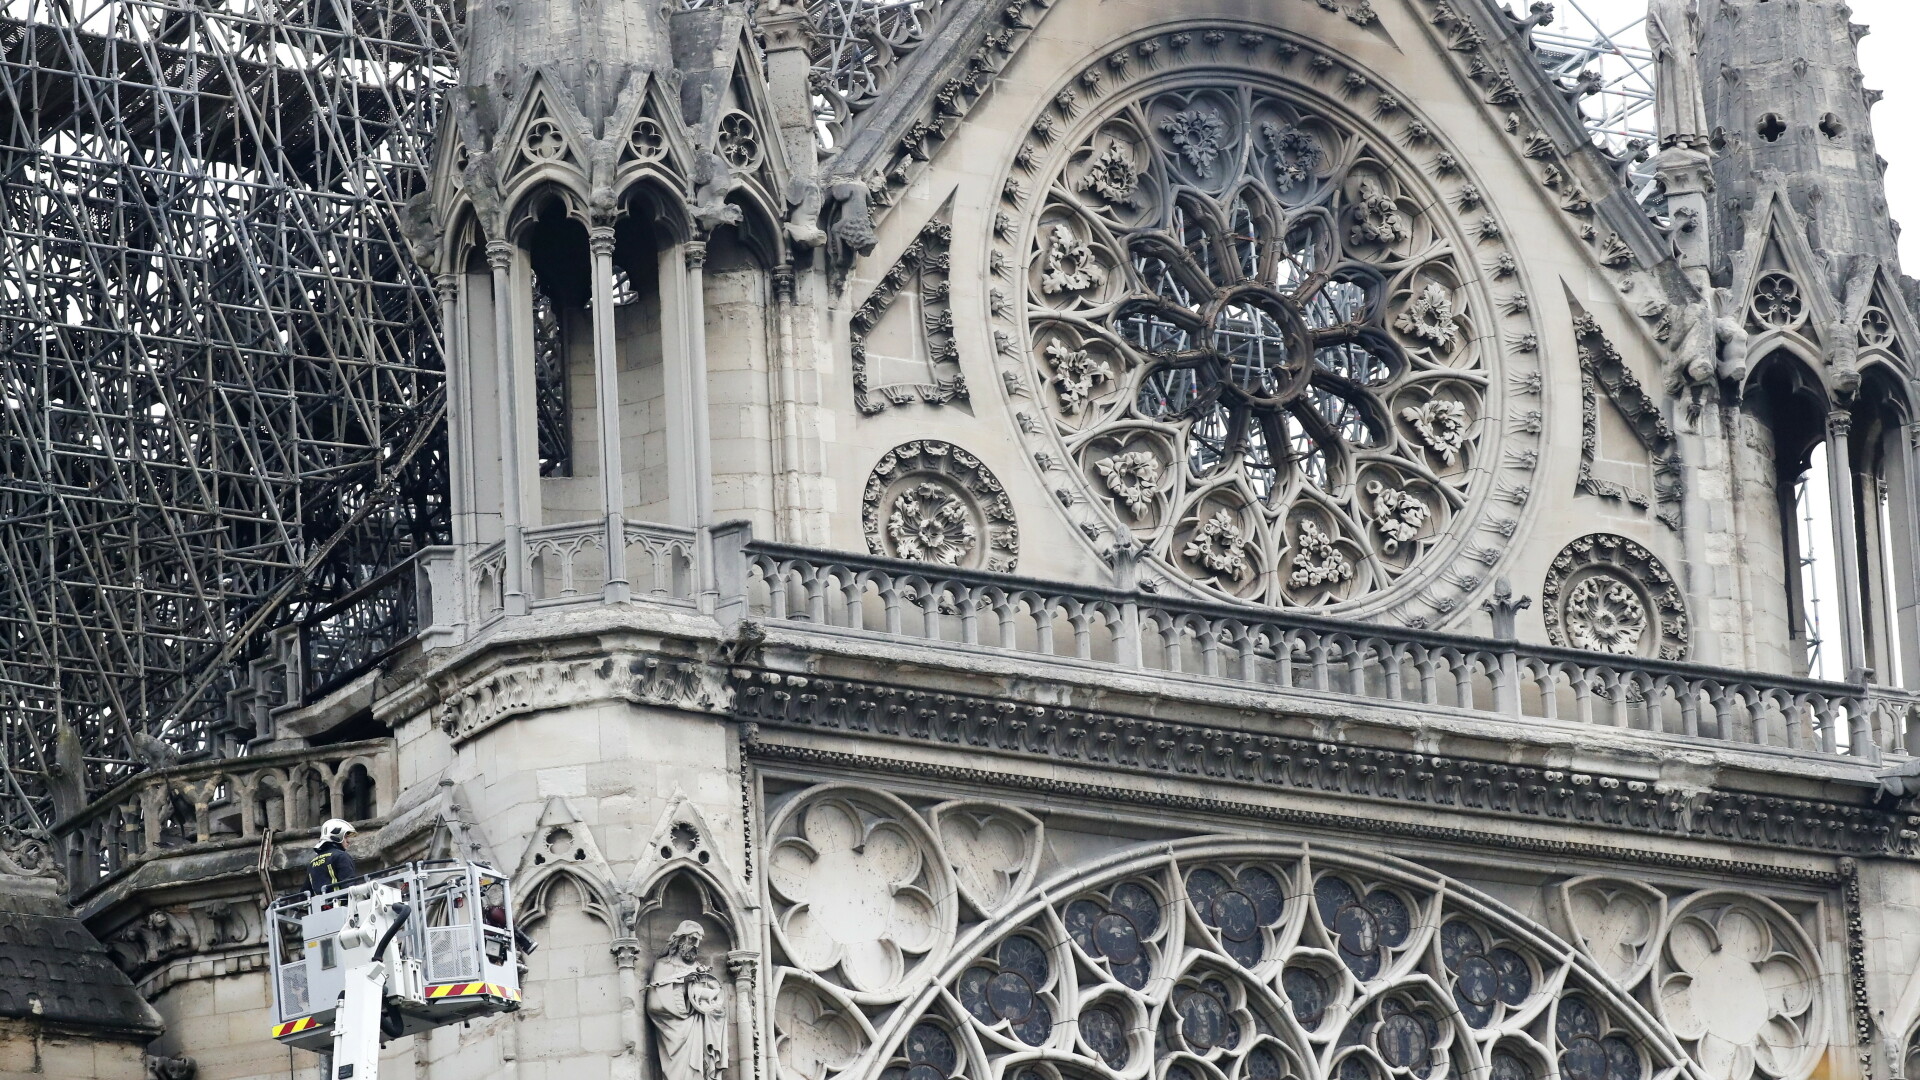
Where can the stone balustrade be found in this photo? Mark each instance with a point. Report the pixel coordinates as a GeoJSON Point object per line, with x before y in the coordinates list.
{"type": "Point", "coordinates": [204, 805]}
{"type": "Point", "coordinates": [871, 598]}
{"type": "Point", "coordinates": [567, 565]}
{"type": "Point", "coordinates": [1136, 630]}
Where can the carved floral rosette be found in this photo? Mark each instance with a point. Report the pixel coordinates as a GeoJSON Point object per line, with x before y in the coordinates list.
{"type": "Point", "coordinates": [1608, 594]}
{"type": "Point", "coordinates": [930, 501]}
{"type": "Point", "coordinates": [1261, 339]}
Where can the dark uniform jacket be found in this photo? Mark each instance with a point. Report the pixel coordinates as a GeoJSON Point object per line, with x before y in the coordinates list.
{"type": "Point", "coordinates": [331, 865]}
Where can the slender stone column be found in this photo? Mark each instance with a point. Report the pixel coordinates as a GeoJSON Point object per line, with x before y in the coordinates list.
{"type": "Point", "coordinates": [633, 1005]}
{"type": "Point", "coordinates": [606, 385]}
{"type": "Point", "coordinates": [694, 297]}
{"type": "Point", "coordinates": [500, 255]}
{"type": "Point", "coordinates": [1846, 542]}
{"type": "Point", "coordinates": [459, 394]}
{"type": "Point", "coordinates": [744, 966]}
{"type": "Point", "coordinates": [787, 412]}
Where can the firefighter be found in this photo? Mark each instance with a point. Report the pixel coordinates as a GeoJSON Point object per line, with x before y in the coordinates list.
{"type": "Point", "coordinates": [332, 866]}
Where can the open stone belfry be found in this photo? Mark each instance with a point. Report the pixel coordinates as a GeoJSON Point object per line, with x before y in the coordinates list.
{"type": "Point", "coordinates": [961, 539]}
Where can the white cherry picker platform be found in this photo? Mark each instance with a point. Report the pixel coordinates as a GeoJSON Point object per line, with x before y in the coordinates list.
{"type": "Point", "coordinates": [383, 956]}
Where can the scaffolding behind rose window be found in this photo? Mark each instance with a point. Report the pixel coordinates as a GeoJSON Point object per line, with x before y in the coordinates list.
{"type": "Point", "coordinates": [1169, 393]}
{"type": "Point", "coordinates": [1308, 455]}
{"type": "Point", "coordinates": [1255, 346]}
{"type": "Point", "coordinates": [1355, 362]}
{"type": "Point", "coordinates": [1337, 302]}
{"type": "Point", "coordinates": [1208, 440]}
{"type": "Point", "coordinates": [1608, 39]}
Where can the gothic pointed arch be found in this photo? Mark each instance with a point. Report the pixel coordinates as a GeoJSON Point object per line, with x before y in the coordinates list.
{"type": "Point", "coordinates": [562, 847]}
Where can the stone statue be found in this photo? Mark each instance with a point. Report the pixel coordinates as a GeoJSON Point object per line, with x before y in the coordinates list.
{"type": "Point", "coordinates": [1731, 334]}
{"type": "Point", "coordinates": [1673, 32]}
{"type": "Point", "coordinates": [689, 1014]}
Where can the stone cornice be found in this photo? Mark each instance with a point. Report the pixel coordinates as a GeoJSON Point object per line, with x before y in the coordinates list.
{"type": "Point", "coordinates": [1127, 744]}
{"type": "Point", "coordinates": [763, 751]}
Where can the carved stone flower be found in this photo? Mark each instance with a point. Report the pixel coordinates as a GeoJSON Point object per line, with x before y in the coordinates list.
{"type": "Point", "coordinates": [1220, 546]}
{"type": "Point", "coordinates": [1605, 614]}
{"type": "Point", "coordinates": [1430, 316]}
{"type": "Point", "coordinates": [1113, 176]}
{"type": "Point", "coordinates": [1377, 220]}
{"type": "Point", "coordinates": [1398, 514]}
{"type": "Point", "coordinates": [1316, 561]}
{"type": "Point", "coordinates": [1295, 153]}
{"type": "Point", "coordinates": [1442, 425]}
{"type": "Point", "coordinates": [1075, 371]}
{"type": "Point", "coordinates": [929, 523]}
{"type": "Point", "coordinates": [1196, 132]}
{"type": "Point", "coordinates": [1133, 477]}
{"type": "Point", "coordinates": [1071, 264]}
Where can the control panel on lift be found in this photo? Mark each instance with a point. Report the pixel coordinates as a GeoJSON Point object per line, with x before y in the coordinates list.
{"type": "Point", "coordinates": [446, 949]}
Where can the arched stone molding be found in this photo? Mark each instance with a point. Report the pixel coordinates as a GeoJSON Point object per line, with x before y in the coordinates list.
{"type": "Point", "coordinates": [1312, 957]}
{"type": "Point", "coordinates": [563, 846]}
{"type": "Point", "coordinates": [1362, 540]}
{"type": "Point", "coordinates": [684, 843]}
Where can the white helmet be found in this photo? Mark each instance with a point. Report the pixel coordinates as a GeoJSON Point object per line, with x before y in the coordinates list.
{"type": "Point", "coordinates": [334, 831]}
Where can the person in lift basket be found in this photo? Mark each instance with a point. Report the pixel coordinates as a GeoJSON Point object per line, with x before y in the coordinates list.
{"type": "Point", "coordinates": [332, 866]}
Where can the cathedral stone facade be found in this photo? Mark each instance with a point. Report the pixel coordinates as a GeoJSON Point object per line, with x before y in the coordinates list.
{"type": "Point", "coordinates": [1111, 540]}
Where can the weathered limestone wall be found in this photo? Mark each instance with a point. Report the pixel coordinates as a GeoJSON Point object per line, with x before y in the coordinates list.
{"type": "Point", "coordinates": [33, 1051]}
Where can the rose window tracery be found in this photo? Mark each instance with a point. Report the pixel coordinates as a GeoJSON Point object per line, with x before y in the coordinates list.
{"type": "Point", "coordinates": [1278, 318]}
{"type": "Point", "coordinates": [1366, 969]}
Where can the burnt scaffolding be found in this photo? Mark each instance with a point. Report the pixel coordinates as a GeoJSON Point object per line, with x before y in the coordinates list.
{"type": "Point", "coordinates": [220, 379]}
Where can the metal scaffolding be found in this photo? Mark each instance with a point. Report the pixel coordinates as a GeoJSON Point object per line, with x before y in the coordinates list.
{"type": "Point", "coordinates": [219, 373]}
{"type": "Point", "coordinates": [1609, 39]}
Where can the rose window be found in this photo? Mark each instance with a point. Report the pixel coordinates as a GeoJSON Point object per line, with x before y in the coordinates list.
{"type": "Point", "coordinates": [1257, 337]}
{"type": "Point", "coordinates": [1011, 990]}
{"type": "Point", "coordinates": [1116, 929]}
{"type": "Point", "coordinates": [1485, 979]}
{"type": "Point", "coordinates": [1237, 909]}
{"type": "Point", "coordinates": [1365, 929]}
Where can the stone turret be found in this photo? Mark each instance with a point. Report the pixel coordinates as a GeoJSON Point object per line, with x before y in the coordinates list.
{"type": "Point", "coordinates": [1788, 108]}
{"type": "Point", "coordinates": [586, 49]}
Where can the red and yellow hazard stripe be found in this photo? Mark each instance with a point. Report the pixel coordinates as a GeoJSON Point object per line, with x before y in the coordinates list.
{"type": "Point", "coordinates": [295, 1027]}
{"type": "Point", "coordinates": [472, 989]}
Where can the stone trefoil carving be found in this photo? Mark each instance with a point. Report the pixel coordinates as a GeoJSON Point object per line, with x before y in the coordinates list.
{"type": "Point", "coordinates": [1250, 310]}
{"type": "Point", "coordinates": [1113, 176]}
{"type": "Point", "coordinates": [1196, 132]}
{"type": "Point", "coordinates": [687, 1007]}
{"type": "Point", "coordinates": [1398, 514]}
{"type": "Point", "coordinates": [1296, 154]}
{"type": "Point", "coordinates": [1608, 594]}
{"type": "Point", "coordinates": [930, 501]}
{"type": "Point", "coordinates": [1316, 561]}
